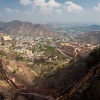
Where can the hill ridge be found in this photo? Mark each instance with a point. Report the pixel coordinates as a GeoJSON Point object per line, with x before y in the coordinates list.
{"type": "Point", "coordinates": [17, 27]}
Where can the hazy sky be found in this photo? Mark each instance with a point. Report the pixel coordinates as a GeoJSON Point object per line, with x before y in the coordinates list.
{"type": "Point", "coordinates": [79, 11]}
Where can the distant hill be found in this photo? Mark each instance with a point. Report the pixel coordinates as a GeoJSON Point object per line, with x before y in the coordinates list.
{"type": "Point", "coordinates": [26, 28]}
{"type": "Point", "coordinates": [2, 24]}
{"type": "Point", "coordinates": [90, 37]}
{"type": "Point", "coordinates": [94, 27]}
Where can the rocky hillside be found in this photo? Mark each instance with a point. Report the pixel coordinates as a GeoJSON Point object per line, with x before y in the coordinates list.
{"type": "Point", "coordinates": [26, 28]}
{"type": "Point", "coordinates": [63, 77]}
{"type": "Point", "coordinates": [17, 69]}
{"type": "Point", "coordinates": [92, 37]}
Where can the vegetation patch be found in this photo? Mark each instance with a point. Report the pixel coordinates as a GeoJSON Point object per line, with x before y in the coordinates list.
{"type": "Point", "coordinates": [14, 71]}
{"type": "Point", "coordinates": [93, 58]}
{"type": "Point", "coordinates": [1, 76]}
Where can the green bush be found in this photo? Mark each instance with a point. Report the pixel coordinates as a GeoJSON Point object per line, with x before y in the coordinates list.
{"type": "Point", "coordinates": [72, 60]}
{"type": "Point", "coordinates": [2, 53]}
{"type": "Point", "coordinates": [1, 76]}
{"type": "Point", "coordinates": [14, 71]}
{"type": "Point", "coordinates": [20, 58]}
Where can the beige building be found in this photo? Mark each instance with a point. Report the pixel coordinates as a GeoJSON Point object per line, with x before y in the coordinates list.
{"type": "Point", "coordinates": [5, 39]}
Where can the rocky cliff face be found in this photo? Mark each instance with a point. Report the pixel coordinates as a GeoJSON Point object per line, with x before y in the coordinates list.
{"type": "Point", "coordinates": [25, 28]}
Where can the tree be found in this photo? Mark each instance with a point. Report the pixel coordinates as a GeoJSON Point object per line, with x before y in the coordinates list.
{"type": "Point", "coordinates": [93, 58]}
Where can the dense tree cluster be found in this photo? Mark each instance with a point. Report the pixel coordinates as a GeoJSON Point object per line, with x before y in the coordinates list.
{"type": "Point", "coordinates": [93, 58]}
